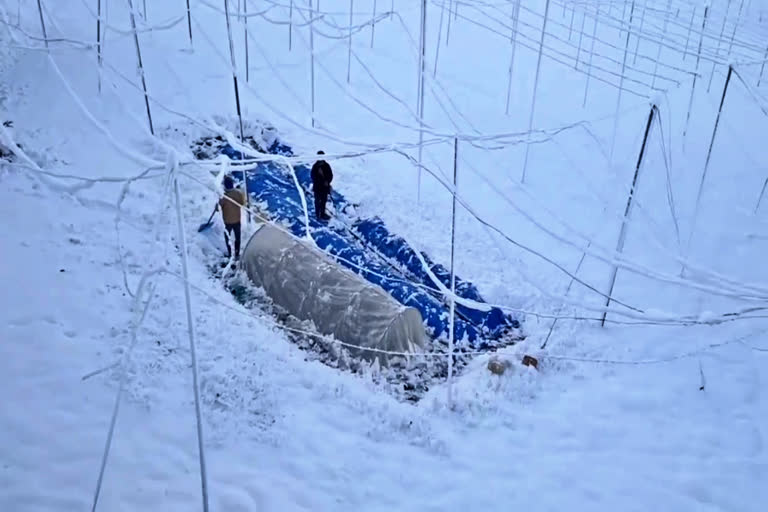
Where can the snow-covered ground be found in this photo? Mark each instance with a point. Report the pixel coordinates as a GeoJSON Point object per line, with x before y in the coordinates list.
{"type": "Point", "coordinates": [615, 417]}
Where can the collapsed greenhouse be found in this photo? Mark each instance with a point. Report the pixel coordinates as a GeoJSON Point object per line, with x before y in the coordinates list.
{"type": "Point", "coordinates": [354, 279]}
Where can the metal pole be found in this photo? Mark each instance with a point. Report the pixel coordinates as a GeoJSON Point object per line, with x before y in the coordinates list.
{"type": "Point", "coordinates": [189, 23]}
{"type": "Point", "coordinates": [245, 21]}
{"type": "Point", "coordinates": [696, 74]}
{"type": "Point", "coordinates": [237, 100]}
{"type": "Point", "coordinates": [706, 162]}
{"type": "Point", "coordinates": [349, 42]}
{"type": "Point", "coordinates": [141, 65]}
{"type": "Point", "coordinates": [567, 290]}
{"type": "Point", "coordinates": [591, 53]}
{"type": "Point", "coordinates": [448, 30]}
{"type": "Point", "coordinates": [98, 40]}
{"type": "Point", "coordinates": [42, 24]}
{"type": "Point", "coordinates": [762, 68]}
{"type": "Point", "coordinates": [422, 65]}
{"type": "Point", "coordinates": [192, 344]}
{"type": "Point", "coordinates": [312, 58]}
{"type": "Point", "coordinates": [760, 199]}
{"type": "Point", "coordinates": [535, 88]}
{"type": "Point", "coordinates": [627, 211]}
{"type": "Point", "coordinates": [290, 23]}
{"type": "Point", "coordinates": [453, 273]}
{"type": "Point", "coordinates": [513, 38]}
{"type": "Point", "coordinates": [373, 24]}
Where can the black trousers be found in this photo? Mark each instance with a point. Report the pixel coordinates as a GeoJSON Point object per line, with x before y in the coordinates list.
{"type": "Point", "coordinates": [321, 198]}
{"type": "Point", "coordinates": [229, 229]}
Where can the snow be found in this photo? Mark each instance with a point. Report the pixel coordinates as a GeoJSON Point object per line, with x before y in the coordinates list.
{"type": "Point", "coordinates": [613, 419]}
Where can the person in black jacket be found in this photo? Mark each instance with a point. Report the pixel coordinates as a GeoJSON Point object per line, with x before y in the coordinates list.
{"type": "Point", "coordinates": [322, 176]}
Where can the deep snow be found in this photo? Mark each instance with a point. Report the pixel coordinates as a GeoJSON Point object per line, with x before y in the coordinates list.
{"type": "Point", "coordinates": [284, 432]}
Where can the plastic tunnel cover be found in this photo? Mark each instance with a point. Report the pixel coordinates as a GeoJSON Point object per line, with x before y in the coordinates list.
{"type": "Point", "coordinates": [308, 285]}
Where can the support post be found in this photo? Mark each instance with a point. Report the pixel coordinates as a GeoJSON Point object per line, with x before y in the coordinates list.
{"type": "Point", "coordinates": [513, 38]}
{"type": "Point", "coordinates": [591, 53]}
{"type": "Point", "coordinates": [141, 65]}
{"type": "Point", "coordinates": [98, 41]}
{"type": "Point", "coordinates": [312, 58]}
{"type": "Point", "coordinates": [567, 290]}
{"type": "Point", "coordinates": [245, 22]}
{"type": "Point", "coordinates": [448, 29]}
{"type": "Point", "coordinates": [192, 344]}
{"type": "Point", "coordinates": [696, 74]}
{"type": "Point", "coordinates": [453, 274]}
{"type": "Point", "coordinates": [349, 41]}
{"type": "Point", "coordinates": [42, 23]}
{"type": "Point", "coordinates": [237, 100]}
{"type": "Point", "coordinates": [290, 23]}
{"type": "Point", "coordinates": [627, 211]}
{"type": "Point", "coordinates": [422, 65]}
{"type": "Point", "coordinates": [760, 199]}
{"type": "Point", "coordinates": [706, 162]}
{"type": "Point", "coordinates": [189, 23]}
{"type": "Point", "coordinates": [373, 24]}
{"type": "Point", "coordinates": [621, 83]}
{"type": "Point", "coordinates": [535, 88]}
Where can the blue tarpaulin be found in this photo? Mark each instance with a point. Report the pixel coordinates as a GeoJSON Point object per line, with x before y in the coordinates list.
{"type": "Point", "coordinates": [369, 249]}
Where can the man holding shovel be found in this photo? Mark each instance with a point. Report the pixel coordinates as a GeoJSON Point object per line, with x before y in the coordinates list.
{"type": "Point", "coordinates": [230, 205]}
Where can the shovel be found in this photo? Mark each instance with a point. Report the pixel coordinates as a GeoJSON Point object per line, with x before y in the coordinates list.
{"type": "Point", "coordinates": [208, 224]}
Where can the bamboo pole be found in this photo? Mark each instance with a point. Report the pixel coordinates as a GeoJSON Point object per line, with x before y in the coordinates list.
{"type": "Point", "coordinates": [189, 23]}
{"type": "Point", "coordinates": [312, 58]}
{"type": "Point", "coordinates": [349, 41]}
{"type": "Point", "coordinates": [422, 65]}
{"type": "Point", "coordinates": [627, 211]}
{"type": "Point", "coordinates": [451, 333]}
{"type": "Point", "coordinates": [42, 24]}
{"type": "Point", "coordinates": [706, 162]}
{"type": "Point", "coordinates": [141, 65]}
{"type": "Point", "coordinates": [695, 75]}
{"type": "Point", "coordinates": [98, 41]}
{"type": "Point", "coordinates": [233, 62]}
{"type": "Point", "coordinates": [245, 22]}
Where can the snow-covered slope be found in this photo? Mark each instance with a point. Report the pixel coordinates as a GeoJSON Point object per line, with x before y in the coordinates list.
{"type": "Point", "coordinates": [615, 417]}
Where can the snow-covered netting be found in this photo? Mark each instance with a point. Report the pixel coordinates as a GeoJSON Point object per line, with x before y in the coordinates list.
{"type": "Point", "coordinates": [301, 279]}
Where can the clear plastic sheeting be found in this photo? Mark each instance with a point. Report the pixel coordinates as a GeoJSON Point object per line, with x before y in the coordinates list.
{"type": "Point", "coordinates": [307, 284]}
